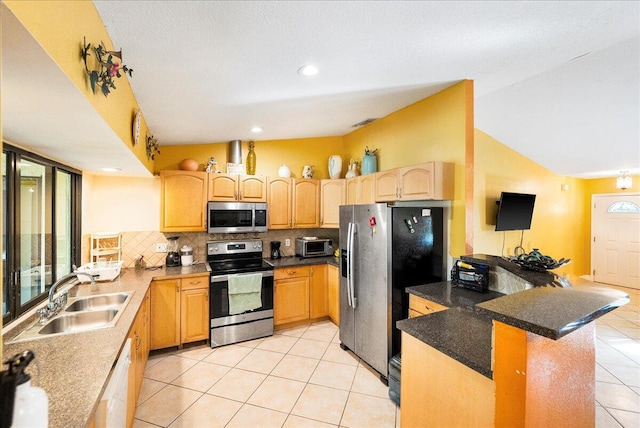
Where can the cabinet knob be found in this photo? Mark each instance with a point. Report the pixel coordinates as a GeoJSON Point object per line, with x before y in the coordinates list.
{"type": "Point", "coordinates": [291, 272]}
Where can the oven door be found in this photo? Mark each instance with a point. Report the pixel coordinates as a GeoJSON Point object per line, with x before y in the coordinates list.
{"type": "Point", "coordinates": [219, 301]}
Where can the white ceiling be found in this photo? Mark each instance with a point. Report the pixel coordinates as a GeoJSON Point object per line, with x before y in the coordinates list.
{"type": "Point", "coordinates": [556, 81]}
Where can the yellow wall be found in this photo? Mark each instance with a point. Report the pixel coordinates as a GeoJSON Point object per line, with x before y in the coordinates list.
{"type": "Point", "coordinates": [59, 27]}
{"type": "Point", "coordinates": [560, 225]}
{"type": "Point", "coordinates": [608, 185]}
{"type": "Point", "coordinates": [433, 129]}
{"type": "Point", "coordinates": [270, 155]}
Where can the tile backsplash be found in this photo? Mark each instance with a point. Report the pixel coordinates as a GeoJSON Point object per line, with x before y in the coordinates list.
{"type": "Point", "coordinates": [143, 243]}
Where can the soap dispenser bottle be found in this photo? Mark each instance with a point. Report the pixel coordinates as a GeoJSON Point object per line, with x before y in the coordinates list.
{"type": "Point", "coordinates": [30, 404]}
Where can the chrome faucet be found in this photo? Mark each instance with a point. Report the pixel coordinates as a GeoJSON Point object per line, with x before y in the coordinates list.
{"type": "Point", "coordinates": [64, 279]}
{"type": "Point", "coordinates": [56, 305]}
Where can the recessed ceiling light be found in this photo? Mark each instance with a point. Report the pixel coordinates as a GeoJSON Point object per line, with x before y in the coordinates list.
{"type": "Point", "coordinates": [108, 169]}
{"type": "Point", "coordinates": [308, 70]}
{"type": "Point", "coordinates": [256, 129]}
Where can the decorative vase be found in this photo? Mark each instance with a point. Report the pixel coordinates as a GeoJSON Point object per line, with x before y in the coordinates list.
{"type": "Point", "coordinates": [307, 171]}
{"type": "Point", "coordinates": [353, 169]}
{"type": "Point", "coordinates": [335, 166]}
{"type": "Point", "coordinates": [369, 163]}
{"type": "Point", "coordinates": [284, 171]}
{"type": "Point", "coordinates": [188, 165]}
{"type": "Point", "coordinates": [251, 159]}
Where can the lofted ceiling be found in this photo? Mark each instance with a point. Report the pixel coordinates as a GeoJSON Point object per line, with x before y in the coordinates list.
{"type": "Point", "coordinates": [557, 81]}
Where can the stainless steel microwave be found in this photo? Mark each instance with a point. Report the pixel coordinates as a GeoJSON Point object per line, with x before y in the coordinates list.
{"type": "Point", "coordinates": [316, 247]}
{"type": "Point", "coordinates": [236, 217]}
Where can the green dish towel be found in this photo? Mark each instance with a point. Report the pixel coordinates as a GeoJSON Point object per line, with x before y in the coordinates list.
{"type": "Point", "coordinates": [245, 292]}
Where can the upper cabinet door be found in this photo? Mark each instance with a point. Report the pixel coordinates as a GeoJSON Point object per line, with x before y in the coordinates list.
{"type": "Point", "coordinates": [183, 196]}
{"type": "Point", "coordinates": [306, 203]}
{"type": "Point", "coordinates": [252, 188]}
{"type": "Point", "coordinates": [430, 180]}
{"type": "Point", "coordinates": [386, 188]}
{"type": "Point", "coordinates": [332, 195]}
{"type": "Point", "coordinates": [279, 202]}
{"type": "Point", "coordinates": [223, 187]}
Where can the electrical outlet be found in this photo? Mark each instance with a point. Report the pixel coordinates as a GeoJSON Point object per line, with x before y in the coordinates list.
{"type": "Point", "coordinates": [161, 248]}
{"type": "Point", "coordinates": [287, 242]}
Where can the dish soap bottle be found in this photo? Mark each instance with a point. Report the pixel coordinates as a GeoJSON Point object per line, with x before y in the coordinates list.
{"type": "Point", "coordinates": [31, 405]}
{"type": "Point", "coordinates": [251, 159]}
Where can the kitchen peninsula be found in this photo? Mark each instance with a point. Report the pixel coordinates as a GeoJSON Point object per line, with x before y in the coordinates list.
{"type": "Point", "coordinates": [520, 359]}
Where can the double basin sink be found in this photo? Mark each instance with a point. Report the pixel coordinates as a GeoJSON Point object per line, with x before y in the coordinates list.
{"type": "Point", "coordinates": [82, 314]}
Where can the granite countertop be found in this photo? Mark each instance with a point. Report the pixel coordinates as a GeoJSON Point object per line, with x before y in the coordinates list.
{"type": "Point", "coordinates": [447, 294]}
{"type": "Point", "coordinates": [300, 261]}
{"type": "Point", "coordinates": [74, 368]}
{"type": "Point", "coordinates": [457, 332]}
{"type": "Point", "coordinates": [534, 277]}
{"type": "Point", "coordinates": [546, 310]}
{"type": "Point", "coordinates": [460, 332]}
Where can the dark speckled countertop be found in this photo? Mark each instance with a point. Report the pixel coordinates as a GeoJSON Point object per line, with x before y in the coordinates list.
{"type": "Point", "coordinates": [547, 310]}
{"type": "Point", "coordinates": [300, 261]}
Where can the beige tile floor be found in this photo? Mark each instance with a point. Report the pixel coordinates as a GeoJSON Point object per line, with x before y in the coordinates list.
{"type": "Point", "coordinates": [618, 365]}
{"type": "Point", "coordinates": [301, 378]}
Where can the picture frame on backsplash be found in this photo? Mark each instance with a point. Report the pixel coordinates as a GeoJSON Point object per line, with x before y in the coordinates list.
{"type": "Point", "coordinates": [236, 168]}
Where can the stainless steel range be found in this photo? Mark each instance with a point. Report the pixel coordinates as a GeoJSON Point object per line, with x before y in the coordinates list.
{"type": "Point", "coordinates": [238, 311]}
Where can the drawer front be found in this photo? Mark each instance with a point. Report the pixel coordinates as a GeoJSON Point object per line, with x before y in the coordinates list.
{"type": "Point", "coordinates": [292, 272]}
{"type": "Point", "coordinates": [424, 306]}
{"type": "Point", "coordinates": [195, 282]}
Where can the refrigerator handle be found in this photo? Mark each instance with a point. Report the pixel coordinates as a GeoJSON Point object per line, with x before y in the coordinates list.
{"type": "Point", "coordinates": [351, 255]}
{"type": "Point", "coordinates": [348, 267]}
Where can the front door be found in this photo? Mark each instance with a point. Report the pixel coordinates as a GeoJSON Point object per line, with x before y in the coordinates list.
{"type": "Point", "coordinates": [616, 239]}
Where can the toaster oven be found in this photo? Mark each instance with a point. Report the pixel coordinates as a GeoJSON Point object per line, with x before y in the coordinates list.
{"type": "Point", "coordinates": [473, 276]}
{"type": "Point", "coordinates": [314, 247]}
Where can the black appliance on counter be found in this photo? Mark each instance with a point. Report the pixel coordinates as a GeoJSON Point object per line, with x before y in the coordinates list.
{"type": "Point", "coordinates": [226, 258]}
{"type": "Point", "coordinates": [474, 276]}
{"type": "Point", "coordinates": [275, 252]}
{"type": "Point", "coordinates": [173, 257]}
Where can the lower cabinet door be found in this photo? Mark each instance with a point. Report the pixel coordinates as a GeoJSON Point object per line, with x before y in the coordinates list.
{"type": "Point", "coordinates": [165, 311]}
{"type": "Point", "coordinates": [291, 301]}
{"type": "Point", "coordinates": [194, 314]}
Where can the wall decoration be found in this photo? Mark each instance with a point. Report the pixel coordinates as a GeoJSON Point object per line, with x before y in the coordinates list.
{"type": "Point", "coordinates": [152, 147]}
{"type": "Point", "coordinates": [107, 68]}
{"type": "Point", "coordinates": [137, 123]}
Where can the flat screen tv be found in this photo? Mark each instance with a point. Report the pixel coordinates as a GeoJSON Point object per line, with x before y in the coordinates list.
{"type": "Point", "coordinates": [515, 211]}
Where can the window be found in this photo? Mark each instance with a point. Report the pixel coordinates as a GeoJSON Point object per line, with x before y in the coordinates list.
{"type": "Point", "coordinates": [623, 207]}
{"type": "Point", "coordinates": [40, 230]}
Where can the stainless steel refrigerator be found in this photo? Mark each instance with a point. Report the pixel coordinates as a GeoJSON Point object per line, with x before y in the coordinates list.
{"type": "Point", "coordinates": [383, 250]}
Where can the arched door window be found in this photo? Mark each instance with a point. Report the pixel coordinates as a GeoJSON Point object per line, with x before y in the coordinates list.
{"type": "Point", "coordinates": [623, 207]}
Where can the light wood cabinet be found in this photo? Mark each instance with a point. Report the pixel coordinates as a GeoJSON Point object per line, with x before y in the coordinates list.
{"type": "Point", "coordinates": [306, 203]}
{"type": "Point", "coordinates": [194, 311]}
{"type": "Point", "coordinates": [420, 306]}
{"type": "Point", "coordinates": [430, 388]}
{"type": "Point", "coordinates": [332, 195]}
{"type": "Point", "coordinates": [233, 187]}
{"type": "Point", "coordinates": [293, 203]}
{"type": "Point", "coordinates": [319, 294]}
{"type": "Point", "coordinates": [183, 200]}
{"type": "Point", "coordinates": [361, 189]}
{"type": "Point", "coordinates": [430, 180]}
{"type": "Point", "coordinates": [179, 311]}
{"type": "Point", "coordinates": [291, 295]}
{"type": "Point", "coordinates": [165, 313]}
{"type": "Point", "coordinates": [333, 293]}
{"type": "Point", "coordinates": [279, 202]}
{"type": "Point", "coordinates": [139, 335]}
{"type": "Point", "coordinates": [300, 293]}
